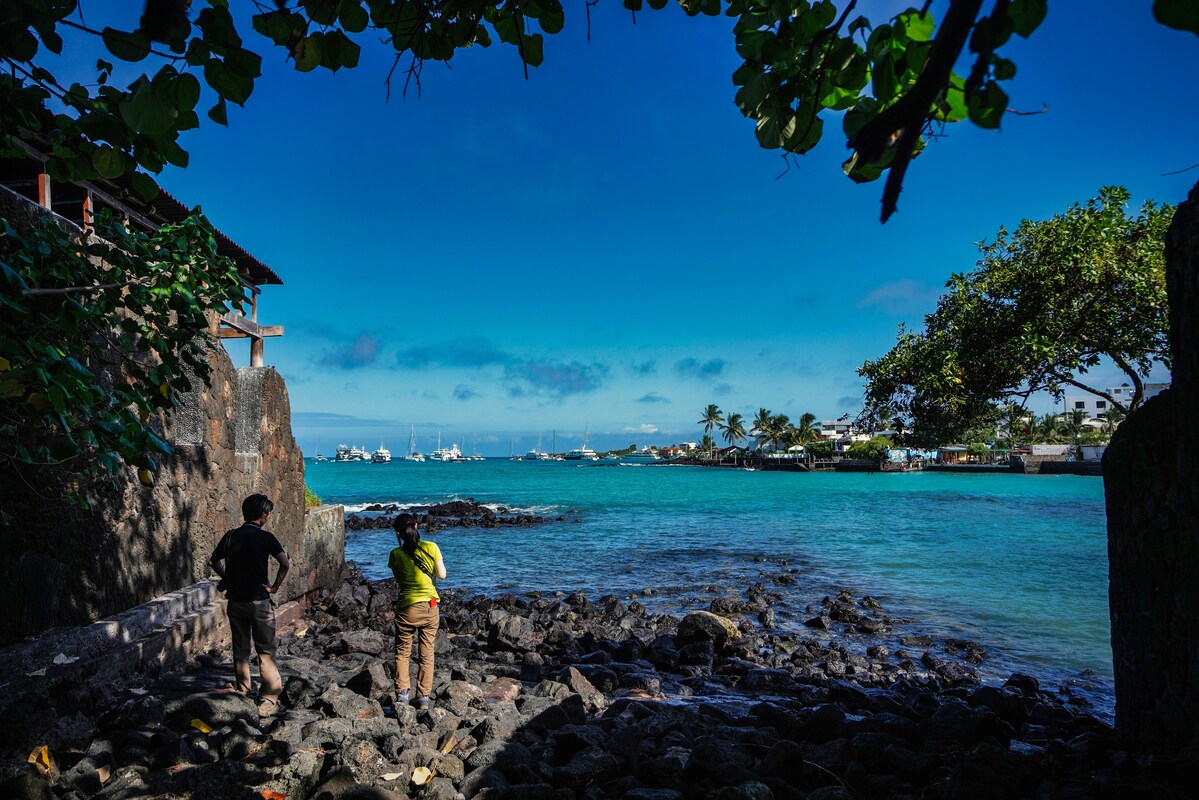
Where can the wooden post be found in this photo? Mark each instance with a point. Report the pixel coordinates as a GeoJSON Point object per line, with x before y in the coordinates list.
{"type": "Point", "coordinates": [255, 342]}
{"type": "Point", "coordinates": [43, 189]}
{"type": "Point", "coordinates": [88, 209]}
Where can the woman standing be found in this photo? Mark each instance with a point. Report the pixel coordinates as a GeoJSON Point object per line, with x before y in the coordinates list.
{"type": "Point", "coordinates": [415, 564]}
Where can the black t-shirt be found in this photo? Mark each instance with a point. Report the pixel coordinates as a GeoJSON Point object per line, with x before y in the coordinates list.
{"type": "Point", "coordinates": [245, 551]}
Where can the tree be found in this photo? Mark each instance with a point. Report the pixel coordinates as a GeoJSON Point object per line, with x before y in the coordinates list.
{"type": "Point", "coordinates": [1043, 306]}
{"type": "Point", "coordinates": [1048, 429]}
{"type": "Point", "coordinates": [733, 429]}
{"type": "Point", "coordinates": [761, 426]}
{"type": "Point", "coordinates": [776, 429]}
{"type": "Point", "coordinates": [873, 449]}
{"type": "Point", "coordinates": [890, 83]}
{"type": "Point", "coordinates": [1112, 420]}
{"type": "Point", "coordinates": [710, 419]}
{"type": "Point", "coordinates": [1074, 424]}
{"type": "Point", "coordinates": [807, 430]}
{"type": "Point", "coordinates": [978, 451]}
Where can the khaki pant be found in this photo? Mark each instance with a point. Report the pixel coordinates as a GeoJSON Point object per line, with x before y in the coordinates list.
{"type": "Point", "coordinates": [423, 619]}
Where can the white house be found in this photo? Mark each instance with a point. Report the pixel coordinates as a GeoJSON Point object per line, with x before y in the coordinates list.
{"type": "Point", "coordinates": [1097, 407]}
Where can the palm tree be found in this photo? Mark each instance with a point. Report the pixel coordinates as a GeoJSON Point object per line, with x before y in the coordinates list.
{"type": "Point", "coordinates": [1010, 417]}
{"type": "Point", "coordinates": [733, 428]}
{"type": "Point", "coordinates": [760, 426]}
{"type": "Point", "coordinates": [777, 430]}
{"type": "Point", "coordinates": [1048, 429]}
{"type": "Point", "coordinates": [1074, 425]}
{"type": "Point", "coordinates": [710, 419]}
{"type": "Point", "coordinates": [807, 430]}
{"type": "Point", "coordinates": [1112, 420]}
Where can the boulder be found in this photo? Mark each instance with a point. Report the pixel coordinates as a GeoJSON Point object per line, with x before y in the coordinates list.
{"type": "Point", "coordinates": [704, 626]}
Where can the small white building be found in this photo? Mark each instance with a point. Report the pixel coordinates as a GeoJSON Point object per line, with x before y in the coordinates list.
{"type": "Point", "coordinates": [835, 428]}
{"type": "Point", "coordinates": [1097, 407]}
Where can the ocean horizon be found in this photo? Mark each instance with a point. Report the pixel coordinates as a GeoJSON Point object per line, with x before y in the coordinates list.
{"type": "Point", "coordinates": [1017, 563]}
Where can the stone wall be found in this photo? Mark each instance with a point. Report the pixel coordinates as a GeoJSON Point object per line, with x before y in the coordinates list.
{"type": "Point", "coordinates": [1030, 464]}
{"type": "Point", "coordinates": [1153, 531]}
{"type": "Point", "coordinates": [65, 565]}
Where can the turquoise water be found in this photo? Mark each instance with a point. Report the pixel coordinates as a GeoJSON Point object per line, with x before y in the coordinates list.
{"type": "Point", "coordinates": [1016, 562]}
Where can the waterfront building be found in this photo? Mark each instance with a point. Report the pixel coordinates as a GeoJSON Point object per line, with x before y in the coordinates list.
{"type": "Point", "coordinates": [1097, 407]}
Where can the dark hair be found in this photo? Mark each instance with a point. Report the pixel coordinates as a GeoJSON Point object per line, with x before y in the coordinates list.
{"type": "Point", "coordinates": [256, 506]}
{"type": "Point", "coordinates": [408, 536]}
{"type": "Point", "coordinates": [406, 532]}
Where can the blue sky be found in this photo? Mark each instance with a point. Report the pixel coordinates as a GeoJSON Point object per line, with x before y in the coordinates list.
{"type": "Point", "coordinates": [605, 246]}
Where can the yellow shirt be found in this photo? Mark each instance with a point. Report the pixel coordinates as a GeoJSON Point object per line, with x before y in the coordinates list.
{"type": "Point", "coordinates": [414, 584]}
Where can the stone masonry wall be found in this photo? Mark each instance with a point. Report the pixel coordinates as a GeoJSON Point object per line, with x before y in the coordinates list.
{"type": "Point", "coordinates": [64, 565]}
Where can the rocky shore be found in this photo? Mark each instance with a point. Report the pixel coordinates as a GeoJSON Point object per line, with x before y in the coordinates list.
{"type": "Point", "coordinates": [439, 516]}
{"type": "Point", "coordinates": [565, 696]}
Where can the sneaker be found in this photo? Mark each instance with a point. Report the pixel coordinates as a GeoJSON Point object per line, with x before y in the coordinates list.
{"type": "Point", "coordinates": [422, 704]}
{"type": "Point", "coordinates": [402, 698]}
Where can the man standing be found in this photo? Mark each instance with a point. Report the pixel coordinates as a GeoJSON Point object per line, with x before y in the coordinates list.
{"type": "Point", "coordinates": [240, 558]}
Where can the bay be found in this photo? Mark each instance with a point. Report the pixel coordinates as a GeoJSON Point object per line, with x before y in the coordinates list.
{"type": "Point", "coordinates": [1018, 563]}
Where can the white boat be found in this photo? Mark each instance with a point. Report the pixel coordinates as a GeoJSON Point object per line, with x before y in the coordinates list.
{"type": "Point", "coordinates": [536, 454]}
{"type": "Point", "coordinates": [381, 456]}
{"type": "Point", "coordinates": [413, 453]}
{"type": "Point", "coordinates": [474, 449]}
{"type": "Point", "coordinates": [645, 455]}
{"type": "Point", "coordinates": [319, 457]}
{"type": "Point", "coordinates": [351, 453]}
{"type": "Point", "coordinates": [451, 453]}
{"type": "Point", "coordinates": [583, 453]}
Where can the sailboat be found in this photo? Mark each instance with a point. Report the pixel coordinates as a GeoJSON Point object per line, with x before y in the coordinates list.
{"type": "Point", "coordinates": [319, 457]}
{"type": "Point", "coordinates": [474, 448]}
{"type": "Point", "coordinates": [583, 453]}
{"type": "Point", "coordinates": [413, 453]}
{"type": "Point", "coordinates": [536, 454]}
{"type": "Point", "coordinates": [451, 453]}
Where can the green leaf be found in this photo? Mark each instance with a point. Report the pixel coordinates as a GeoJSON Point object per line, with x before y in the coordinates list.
{"type": "Point", "coordinates": [229, 84]}
{"type": "Point", "coordinates": [307, 52]}
{"type": "Point", "coordinates": [244, 62]}
{"type": "Point", "coordinates": [553, 18]}
{"type": "Point", "coordinates": [532, 49]}
{"type": "Point", "coordinates": [144, 185]}
{"type": "Point", "coordinates": [858, 24]}
{"type": "Point", "coordinates": [126, 46]}
{"type": "Point", "coordinates": [1005, 69]}
{"type": "Point", "coordinates": [986, 107]}
{"type": "Point", "coordinates": [322, 12]}
{"type": "Point", "coordinates": [109, 162]}
{"type": "Point", "coordinates": [1181, 15]}
{"type": "Point", "coordinates": [353, 16]}
{"type": "Point", "coordinates": [218, 113]}
{"type": "Point", "coordinates": [917, 26]}
{"type": "Point", "coordinates": [185, 89]}
{"type": "Point", "coordinates": [1027, 15]}
{"type": "Point", "coordinates": [148, 111]}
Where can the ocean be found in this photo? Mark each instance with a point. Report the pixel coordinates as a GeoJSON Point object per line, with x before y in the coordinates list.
{"type": "Point", "coordinates": [1015, 562]}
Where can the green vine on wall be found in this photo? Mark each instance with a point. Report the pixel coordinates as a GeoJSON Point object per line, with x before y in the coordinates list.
{"type": "Point", "coordinates": [99, 336]}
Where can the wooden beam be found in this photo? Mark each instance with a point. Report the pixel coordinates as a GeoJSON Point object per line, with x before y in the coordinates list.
{"type": "Point", "coordinates": [248, 328]}
{"type": "Point", "coordinates": [87, 211]}
{"type": "Point", "coordinates": [267, 331]}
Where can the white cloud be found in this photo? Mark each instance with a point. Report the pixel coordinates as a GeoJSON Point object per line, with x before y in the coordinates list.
{"type": "Point", "coordinates": [644, 427]}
